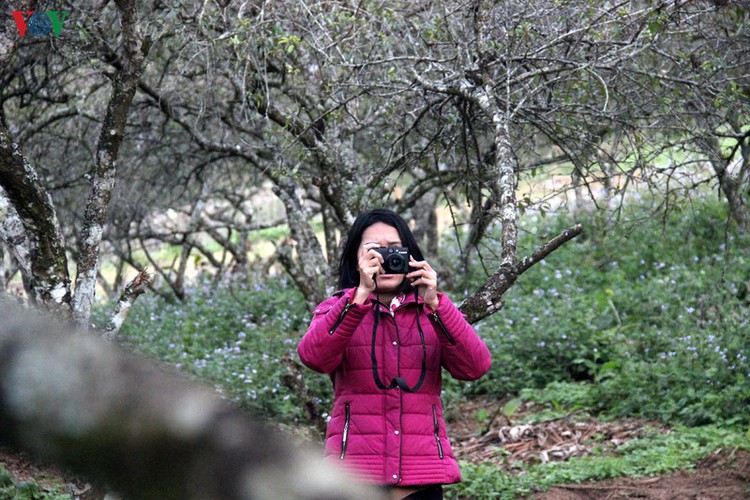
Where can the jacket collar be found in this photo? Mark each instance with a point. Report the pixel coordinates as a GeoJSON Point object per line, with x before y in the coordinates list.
{"type": "Point", "coordinates": [409, 299]}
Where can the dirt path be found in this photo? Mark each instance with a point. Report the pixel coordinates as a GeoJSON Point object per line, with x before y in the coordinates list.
{"type": "Point", "coordinates": [721, 476]}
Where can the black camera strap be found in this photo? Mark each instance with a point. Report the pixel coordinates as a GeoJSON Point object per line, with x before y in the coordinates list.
{"type": "Point", "coordinates": [398, 381]}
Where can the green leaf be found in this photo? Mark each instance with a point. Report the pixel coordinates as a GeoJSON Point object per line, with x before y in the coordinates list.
{"type": "Point", "coordinates": [511, 406]}
{"type": "Point", "coordinates": [655, 26]}
{"type": "Point", "coordinates": [482, 415]}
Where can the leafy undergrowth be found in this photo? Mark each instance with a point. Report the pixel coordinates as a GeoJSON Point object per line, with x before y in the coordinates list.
{"type": "Point", "coordinates": [631, 340]}
{"type": "Point", "coordinates": [22, 478]}
{"type": "Point", "coordinates": [516, 451]}
{"type": "Point", "coordinates": [514, 456]}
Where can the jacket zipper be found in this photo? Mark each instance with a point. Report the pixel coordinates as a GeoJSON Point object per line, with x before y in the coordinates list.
{"type": "Point", "coordinates": [437, 432]}
{"type": "Point", "coordinates": [341, 317]}
{"type": "Point", "coordinates": [437, 320]}
{"type": "Point", "coordinates": [345, 435]}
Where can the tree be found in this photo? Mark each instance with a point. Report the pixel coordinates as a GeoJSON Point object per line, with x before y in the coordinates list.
{"type": "Point", "coordinates": [30, 225]}
{"type": "Point", "coordinates": [338, 107]}
{"type": "Point", "coordinates": [297, 94]}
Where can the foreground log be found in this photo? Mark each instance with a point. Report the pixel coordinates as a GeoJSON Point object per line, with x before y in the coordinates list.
{"type": "Point", "coordinates": [77, 400]}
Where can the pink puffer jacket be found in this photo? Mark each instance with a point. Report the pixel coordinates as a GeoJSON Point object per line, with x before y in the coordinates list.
{"type": "Point", "coordinates": [391, 436]}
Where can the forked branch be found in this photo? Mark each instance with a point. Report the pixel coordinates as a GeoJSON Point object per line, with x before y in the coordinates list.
{"type": "Point", "coordinates": [488, 299]}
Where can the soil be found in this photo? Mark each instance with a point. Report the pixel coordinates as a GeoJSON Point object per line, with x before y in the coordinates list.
{"type": "Point", "coordinates": [724, 475]}
{"type": "Point", "coordinates": [481, 433]}
{"type": "Point", "coordinates": [23, 468]}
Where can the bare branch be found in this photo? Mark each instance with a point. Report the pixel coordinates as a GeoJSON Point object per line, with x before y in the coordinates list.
{"type": "Point", "coordinates": [488, 299]}
{"type": "Point", "coordinates": [132, 291]}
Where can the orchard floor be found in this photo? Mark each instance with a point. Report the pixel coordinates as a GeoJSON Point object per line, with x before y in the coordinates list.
{"type": "Point", "coordinates": [721, 476]}
{"type": "Point", "coordinates": [480, 433]}
{"type": "Point", "coordinates": [725, 474]}
{"type": "Point", "coordinates": [48, 477]}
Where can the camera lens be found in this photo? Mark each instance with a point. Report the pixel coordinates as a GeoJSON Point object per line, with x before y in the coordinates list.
{"type": "Point", "coordinates": [396, 263]}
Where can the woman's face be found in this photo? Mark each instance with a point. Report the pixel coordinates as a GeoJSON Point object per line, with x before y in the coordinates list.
{"type": "Point", "coordinates": [382, 235]}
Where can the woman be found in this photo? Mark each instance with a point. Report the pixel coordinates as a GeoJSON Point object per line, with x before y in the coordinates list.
{"type": "Point", "coordinates": [383, 339]}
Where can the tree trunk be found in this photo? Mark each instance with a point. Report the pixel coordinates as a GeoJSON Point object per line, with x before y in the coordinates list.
{"type": "Point", "coordinates": [80, 402]}
{"type": "Point", "coordinates": [505, 165]}
{"type": "Point", "coordinates": [735, 185]}
{"type": "Point", "coordinates": [125, 83]}
{"type": "Point", "coordinates": [13, 234]}
{"type": "Point", "coordinates": [425, 223]}
{"type": "Point", "coordinates": [186, 244]}
{"type": "Point", "coordinates": [308, 270]}
{"type": "Point", "coordinates": [30, 228]}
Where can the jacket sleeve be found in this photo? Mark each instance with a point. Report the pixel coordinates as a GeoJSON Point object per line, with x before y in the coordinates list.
{"type": "Point", "coordinates": [334, 322]}
{"type": "Point", "coordinates": [462, 352]}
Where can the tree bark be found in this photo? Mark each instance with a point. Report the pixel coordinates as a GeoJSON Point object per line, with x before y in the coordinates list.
{"type": "Point", "coordinates": [7, 44]}
{"type": "Point", "coordinates": [735, 185]}
{"type": "Point", "coordinates": [13, 235]}
{"type": "Point", "coordinates": [132, 291]}
{"type": "Point", "coordinates": [80, 402]}
{"type": "Point", "coordinates": [308, 270]}
{"type": "Point", "coordinates": [425, 227]}
{"type": "Point", "coordinates": [46, 274]}
{"type": "Point", "coordinates": [186, 243]}
{"type": "Point", "coordinates": [126, 80]}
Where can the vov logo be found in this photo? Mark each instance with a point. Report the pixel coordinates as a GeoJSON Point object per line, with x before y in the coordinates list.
{"type": "Point", "coordinates": [39, 24]}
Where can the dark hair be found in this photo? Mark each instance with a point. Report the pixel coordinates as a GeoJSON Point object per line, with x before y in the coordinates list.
{"type": "Point", "coordinates": [348, 273]}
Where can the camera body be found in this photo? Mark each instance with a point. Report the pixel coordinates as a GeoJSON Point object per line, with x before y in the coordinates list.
{"type": "Point", "coordinates": [395, 259]}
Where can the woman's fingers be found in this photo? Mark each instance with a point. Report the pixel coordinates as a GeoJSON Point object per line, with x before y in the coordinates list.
{"type": "Point", "coordinates": [423, 273]}
{"type": "Point", "coordinates": [424, 277]}
{"type": "Point", "coordinates": [371, 258]}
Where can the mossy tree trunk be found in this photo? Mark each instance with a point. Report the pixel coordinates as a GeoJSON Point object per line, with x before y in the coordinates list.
{"type": "Point", "coordinates": [29, 224]}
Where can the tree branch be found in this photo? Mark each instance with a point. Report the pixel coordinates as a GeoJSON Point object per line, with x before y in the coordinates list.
{"type": "Point", "coordinates": [132, 291]}
{"type": "Point", "coordinates": [77, 400]}
{"type": "Point", "coordinates": [488, 299]}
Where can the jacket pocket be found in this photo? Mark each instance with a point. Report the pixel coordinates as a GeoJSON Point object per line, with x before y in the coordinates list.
{"type": "Point", "coordinates": [436, 318]}
{"type": "Point", "coordinates": [341, 317]}
{"type": "Point", "coordinates": [345, 433]}
{"type": "Point", "coordinates": [437, 431]}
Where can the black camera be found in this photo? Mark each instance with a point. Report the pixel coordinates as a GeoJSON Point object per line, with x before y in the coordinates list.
{"type": "Point", "coordinates": [395, 259]}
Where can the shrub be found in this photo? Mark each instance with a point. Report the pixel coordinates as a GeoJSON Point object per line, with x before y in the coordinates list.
{"type": "Point", "coordinates": [653, 312]}
{"type": "Point", "coordinates": [232, 335]}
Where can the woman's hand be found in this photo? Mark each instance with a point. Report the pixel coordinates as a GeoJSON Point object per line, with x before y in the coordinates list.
{"type": "Point", "coordinates": [370, 264]}
{"type": "Point", "coordinates": [425, 277]}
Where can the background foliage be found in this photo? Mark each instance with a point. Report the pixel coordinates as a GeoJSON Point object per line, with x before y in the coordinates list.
{"type": "Point", "coordinates": [647, 321]}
